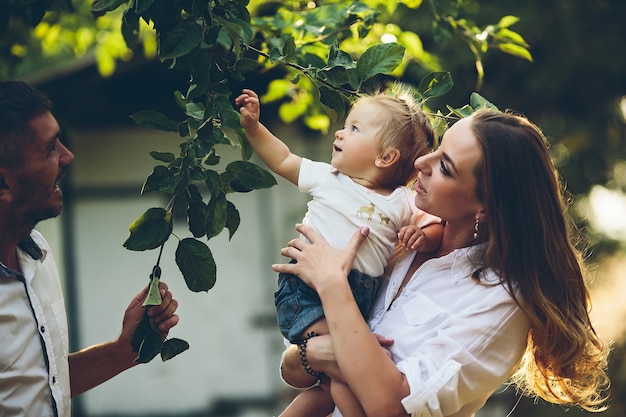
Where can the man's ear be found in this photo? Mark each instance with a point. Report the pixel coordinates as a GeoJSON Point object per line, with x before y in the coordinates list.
{"type": "Point", "coordinates": [387, 159]}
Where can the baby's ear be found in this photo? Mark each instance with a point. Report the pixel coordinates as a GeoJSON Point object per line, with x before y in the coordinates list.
{"type": "Point", "coordinates": [388, 158]}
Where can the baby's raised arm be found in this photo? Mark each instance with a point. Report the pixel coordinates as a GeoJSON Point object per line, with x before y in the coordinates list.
{"type": "Point", "coordinates": [272, 151]}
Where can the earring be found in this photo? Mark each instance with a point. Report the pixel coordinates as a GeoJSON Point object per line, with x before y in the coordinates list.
{"type": "Point", "coordinates": [476, 228]}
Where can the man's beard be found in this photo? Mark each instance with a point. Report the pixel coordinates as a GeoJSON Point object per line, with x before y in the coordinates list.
{"type": "Point", "coordinates": [33, 202]}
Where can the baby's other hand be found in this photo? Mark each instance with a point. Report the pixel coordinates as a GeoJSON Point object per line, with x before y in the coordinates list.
{"type": "Point", "coordinates": [411, 237]}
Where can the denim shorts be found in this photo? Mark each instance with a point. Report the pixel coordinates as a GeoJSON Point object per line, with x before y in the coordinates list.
{"type": "Point", "coordinates": [298, 305]}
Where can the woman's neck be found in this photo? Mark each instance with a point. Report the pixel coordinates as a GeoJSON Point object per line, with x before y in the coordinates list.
{"type": "Point", "coordinates": [456, 238]}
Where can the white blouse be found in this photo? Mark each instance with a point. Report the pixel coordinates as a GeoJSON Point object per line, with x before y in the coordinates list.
{"type": "Point", "coordinates": [455, 339]}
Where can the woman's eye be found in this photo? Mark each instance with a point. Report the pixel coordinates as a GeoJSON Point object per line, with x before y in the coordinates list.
{"type": "Point", "coordinates": [443, 168]}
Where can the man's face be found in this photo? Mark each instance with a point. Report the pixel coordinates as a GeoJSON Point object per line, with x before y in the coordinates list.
{"type": "Point", "coordinates": [35, 190]}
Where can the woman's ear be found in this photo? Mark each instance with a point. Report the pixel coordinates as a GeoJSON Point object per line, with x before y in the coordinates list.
{"type": "Point", "coordinates": [481, 215]}
{"type": "Point", "coordinates": [388, 158]}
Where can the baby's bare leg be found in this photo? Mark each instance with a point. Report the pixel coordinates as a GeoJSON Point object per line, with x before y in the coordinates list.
{"type": "Point", "coordinates": [314, 402]}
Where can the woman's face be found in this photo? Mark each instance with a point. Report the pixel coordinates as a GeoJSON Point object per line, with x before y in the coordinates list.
{"type": "Point", "coordinates": [446, 181]}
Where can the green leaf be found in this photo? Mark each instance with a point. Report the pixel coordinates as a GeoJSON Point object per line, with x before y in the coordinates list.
{"type": "Point", "coordinates": [435, 84]}
{"type": "Point", "coordinates": [196, 218]}
{"type": "Point", "coordinates": [246, 64]}
{"type": "Point", "coordinates": [479, 102]}
{"type": "Point", "coordinates": [464, 111]}
{"type": "Point", "coordinates": [161, 179]}
{"type": "Point", "coordinates": [181, 40]}
{"type": "Point", "coordinates": [154, 295]}
{"type": "Point", "coordinates": [142, 6]}
{"type": "Point", "coordinates": [195, 261]}
{"type": "Point", "coordinates": [380, 59]}
{"type": "Point", "coordinates": [507, 21]}
{"type": "Point", "coordinates": [211, 159]}
{"type": "Point", "coordinates": [247, 176]}
{"type": "Point", "coordinates": [106, 5]}
{"type": "Point", "coordinates": [514, 37]}
{"type": "Point", "coordinates": [154, 120]}
{"type": "Point", "coordinates": [163, 156]}
{"type": "Point", "coordinates": [150, 230]}
{"type": "Point", "coordinates": [516, 50]}
{"type": "Point", "coordinates": [440, 125]}
{"type": "Point", "coordinates": [150, 347]}
{"type": "Point", "coordinates": [216, 213]}
{"type": "Point", "coordinates": [195, 110]}
{"type": "Point", "coordinates": [233, 219]}
{"type": "Point", "coordinates": [143, 328]}
{"type": "Point", "coordinates": [333, 103]}
{"type": "Point", "coordinates": [337, 57]}
{"type": "Point", "coordinates": [173, 347]}
{"type": "Point", "coordinates": [213, 182]}
{"type": "Point", "coordinates": [130, 29]}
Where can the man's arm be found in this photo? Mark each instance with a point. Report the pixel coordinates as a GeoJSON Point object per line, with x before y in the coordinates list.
{"type": "Point", "coordinates": [96, 364]}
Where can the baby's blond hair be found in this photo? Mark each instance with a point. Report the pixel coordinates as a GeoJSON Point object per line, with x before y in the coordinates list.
{"type": "Point", "coordinates": [403, 126]}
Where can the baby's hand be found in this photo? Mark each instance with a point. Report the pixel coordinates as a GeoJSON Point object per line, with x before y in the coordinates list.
{"type": "Point", "coordinates": [411, 237]}
{"type": "Point", "coordinates": [249, 108]}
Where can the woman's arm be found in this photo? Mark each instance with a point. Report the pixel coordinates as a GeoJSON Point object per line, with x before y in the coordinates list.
{"type": "Point", "coordinates": [357, 351]}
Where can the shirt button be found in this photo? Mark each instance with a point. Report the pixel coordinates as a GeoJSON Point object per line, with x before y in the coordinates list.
{"type": "Point", "coordinates": [54, 379]}
{"type": "Point", "coordinates": [42, 329]}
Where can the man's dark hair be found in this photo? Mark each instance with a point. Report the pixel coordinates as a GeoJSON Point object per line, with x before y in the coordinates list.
{"type": "Point", "coordinates": [19, 104]}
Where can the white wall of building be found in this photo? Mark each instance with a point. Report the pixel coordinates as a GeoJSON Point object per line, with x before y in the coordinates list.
{"type": "Point", "coordinates": [232, 355]}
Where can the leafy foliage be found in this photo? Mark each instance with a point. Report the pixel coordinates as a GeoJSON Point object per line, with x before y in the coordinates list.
{"type": "Point", "coordinates": [331, 53]}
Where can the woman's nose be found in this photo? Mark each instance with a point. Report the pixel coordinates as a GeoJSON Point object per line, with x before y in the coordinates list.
{"type": "Point", "coordinates": [421, 163]}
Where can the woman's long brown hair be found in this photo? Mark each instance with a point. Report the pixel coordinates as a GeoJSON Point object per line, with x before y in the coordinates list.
{"type": "Point", "coordinates": [532, 246]}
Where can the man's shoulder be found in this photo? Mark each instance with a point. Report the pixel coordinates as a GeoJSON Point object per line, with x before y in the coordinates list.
{"type": "Point", "coordinates": [34, 244]}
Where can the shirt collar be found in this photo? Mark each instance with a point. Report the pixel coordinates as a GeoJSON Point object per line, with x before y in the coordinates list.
{"type": "Point", "coordinates": [29, 246]}
{"type": "Point", "coordinates": [467, 260]}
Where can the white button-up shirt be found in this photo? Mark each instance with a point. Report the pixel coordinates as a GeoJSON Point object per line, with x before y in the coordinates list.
{"type": "Point", "coordinates": [455, 339]}
{"type": "Point", "coordinates": [34, 370]}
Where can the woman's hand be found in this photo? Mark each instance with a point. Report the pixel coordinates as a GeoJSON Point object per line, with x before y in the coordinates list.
{"type": "Point", "coordinates": [318, 263]}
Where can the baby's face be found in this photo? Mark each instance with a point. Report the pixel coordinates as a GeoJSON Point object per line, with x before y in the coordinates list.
{"type": "Point", "coordinates": [357, 145]}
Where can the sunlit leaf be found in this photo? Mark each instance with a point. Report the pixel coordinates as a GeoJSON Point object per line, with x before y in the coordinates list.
{"type": "Point", "coordinates": [516, 50]}
{"type": "Point", "coordinates": [507, 21]}
{"type": "Point", "coordinates": [479, 102]}
{"type": "Point", "coordinates": [380, 59]}
{"type": "Point", "coordinates": [435, 84]}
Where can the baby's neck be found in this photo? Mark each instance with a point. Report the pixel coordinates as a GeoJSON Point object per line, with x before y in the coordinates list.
{"type": "Point", "coordinates": [377, 188]}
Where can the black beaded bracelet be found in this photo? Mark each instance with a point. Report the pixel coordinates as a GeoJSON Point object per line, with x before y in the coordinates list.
{"type": "Point", "coordinates": [305, 362]}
